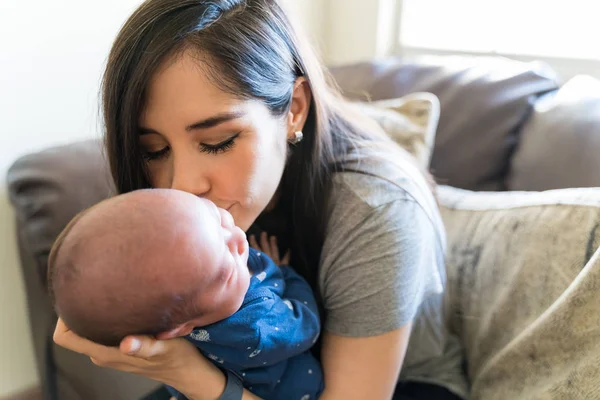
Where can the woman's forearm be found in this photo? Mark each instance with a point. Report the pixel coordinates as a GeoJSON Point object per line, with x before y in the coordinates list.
{"type": "Point", "coordinates": [245, 396]}
{"type": "Point", "coordinates": [208, 389]}
{"type": "Point", "coordinates": [200, 384]}
{"type": "Point", "coordinates": [249, 396]}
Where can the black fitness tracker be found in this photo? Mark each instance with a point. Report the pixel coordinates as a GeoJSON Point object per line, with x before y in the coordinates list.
{"type": "Point", "coordinates": [233, 388]}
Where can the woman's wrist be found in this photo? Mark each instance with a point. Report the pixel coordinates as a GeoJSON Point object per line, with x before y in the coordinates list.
{"type": "Point", "coordinates": [200, 383]}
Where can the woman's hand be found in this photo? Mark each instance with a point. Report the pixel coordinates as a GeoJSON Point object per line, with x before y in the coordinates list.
{"type": "Point", "coordinates": [174, 362]}
{"type": "Point", "coordinates": [268, 245]}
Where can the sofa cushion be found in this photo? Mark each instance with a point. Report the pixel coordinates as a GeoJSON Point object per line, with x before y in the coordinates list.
{"type": "Point", "coordinates": [484, 102]}
{"type": "Point", "coordinates": [523, 277]}
{"type": "Point", "coordinates": [411, 121]}
{"type": "Point", "coordinates": [560, 141]}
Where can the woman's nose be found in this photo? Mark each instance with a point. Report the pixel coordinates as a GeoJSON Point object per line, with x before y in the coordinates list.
{"type": "Point", "coordinates": [190, 178]}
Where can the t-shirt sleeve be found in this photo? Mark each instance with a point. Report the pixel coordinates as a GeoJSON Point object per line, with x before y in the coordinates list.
{"type": "Point", "coordinates": [380, 261]}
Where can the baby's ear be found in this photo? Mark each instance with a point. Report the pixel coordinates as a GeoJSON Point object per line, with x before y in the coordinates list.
{"type": "Point", "coordinates": [180, 330]}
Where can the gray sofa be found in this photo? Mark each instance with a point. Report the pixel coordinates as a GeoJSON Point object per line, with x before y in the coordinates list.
{"type": "Point", "coordinates": [493, 136]}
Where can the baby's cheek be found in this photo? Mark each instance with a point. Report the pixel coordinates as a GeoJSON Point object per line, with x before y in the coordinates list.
{"type": "Point", "coordinates": [224, 272]}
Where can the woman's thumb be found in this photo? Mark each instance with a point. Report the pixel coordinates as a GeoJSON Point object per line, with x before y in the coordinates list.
{"type": "Point", "coordinates": [131, 345]}
{"type": "Point", "coordinates": [142, 346]}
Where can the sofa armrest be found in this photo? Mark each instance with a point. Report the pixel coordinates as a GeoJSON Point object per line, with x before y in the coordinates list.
{"type": "Point", "coordinates": [523, 277]}
{"type": "Point", "coordinates": [49, 188]}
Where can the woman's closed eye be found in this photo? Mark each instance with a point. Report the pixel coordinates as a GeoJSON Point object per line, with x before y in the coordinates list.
{"type": "Point", "coordinates": [218, 148]}
{"type": "Point", "coordinates": [155, 155]}
{"type": "Point", "coordinates": [221, 147]}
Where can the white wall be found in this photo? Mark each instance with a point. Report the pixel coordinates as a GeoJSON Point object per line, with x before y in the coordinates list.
{"type": "Point", "coordinates": [358, 30]}
{"type": "Point", "coordinates": [50, 64]}
{"type": "Point", "coordinates": [312, 15]}
{"type": "Point", "coordinates": [51, 58]}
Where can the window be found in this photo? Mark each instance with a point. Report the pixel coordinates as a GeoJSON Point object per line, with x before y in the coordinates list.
{"type": "Point", "coordinates": [554, 30]}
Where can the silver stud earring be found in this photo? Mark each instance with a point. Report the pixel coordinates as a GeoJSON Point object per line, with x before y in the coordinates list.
{"type": "Point", "coordinates": [298, 136]}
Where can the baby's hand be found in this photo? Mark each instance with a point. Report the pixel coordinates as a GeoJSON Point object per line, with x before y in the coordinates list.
{"type": "Point", "coordinates": [268, 245]}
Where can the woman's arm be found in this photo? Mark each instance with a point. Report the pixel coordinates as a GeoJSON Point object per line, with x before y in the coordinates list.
{"type": "Point", "coordinates": [383, 255]}
{"type": "Point", "coordinates": [360, 368]}
{"type": "Point", "coordinates": [363, 368]}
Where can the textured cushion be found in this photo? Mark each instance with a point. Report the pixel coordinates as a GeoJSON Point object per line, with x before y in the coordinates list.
{"type": "Point", "coordinates": [483, 101]}
{"type": "Point", "coordinates": [524, 274]}
{"type": "Point", "coordinates": [48, 188]}
{"type": "Point", "coordinates": [560, 142]}
{"type": "Point", "coordinates": [411, 121]}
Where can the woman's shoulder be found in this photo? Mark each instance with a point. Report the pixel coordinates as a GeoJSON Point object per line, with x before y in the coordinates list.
{"type": "Point", "coordinates": [384, 244]}
{"type": "Point", "coordinates": [390, 190]}
{"type": "Point", "coordinates": [376, 179]}
{"type": "Point", "coordinates": [356, 197]}
{"type": "Point", "coordinates": [369, 191]}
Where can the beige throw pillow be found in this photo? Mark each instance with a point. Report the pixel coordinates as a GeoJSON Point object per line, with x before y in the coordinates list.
{"type": "Point", "coordinates": [411, 121]}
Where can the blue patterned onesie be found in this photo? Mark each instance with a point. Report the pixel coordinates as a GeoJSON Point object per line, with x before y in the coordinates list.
{"type": "Point", "coordinates": [267, 341]}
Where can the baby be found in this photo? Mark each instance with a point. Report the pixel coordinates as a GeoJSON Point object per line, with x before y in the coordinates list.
{"type": "Point", "coordinates": [170, 264]}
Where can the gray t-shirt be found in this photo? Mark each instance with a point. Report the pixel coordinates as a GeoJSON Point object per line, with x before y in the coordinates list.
{"type": "Point", "coordinates": [383, 266]}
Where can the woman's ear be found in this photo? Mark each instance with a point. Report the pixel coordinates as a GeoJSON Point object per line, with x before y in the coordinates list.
{"type": "Point", "coordinates": [301, 100]}
{"type": "Point", "coordinates": [180, 330]}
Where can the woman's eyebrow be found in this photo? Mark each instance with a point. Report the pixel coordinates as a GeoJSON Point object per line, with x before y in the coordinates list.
{"type": "Point", "coordinates": [215, 120]}
{"type": "Point", "coordinates": [210, 122]}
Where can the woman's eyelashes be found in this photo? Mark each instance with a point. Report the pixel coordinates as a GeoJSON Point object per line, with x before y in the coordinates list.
{"type": "Point", "coordinates": [155, 155]}
{"type": "Point", "coordinates": [218, 148]}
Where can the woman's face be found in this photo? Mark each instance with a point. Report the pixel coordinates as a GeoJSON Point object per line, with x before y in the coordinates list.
{"type": "Point", "coordinates": [201, 140]}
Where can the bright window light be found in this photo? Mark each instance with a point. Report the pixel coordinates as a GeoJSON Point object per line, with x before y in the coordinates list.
{"type": "Point", "coordinates": [545, 28]}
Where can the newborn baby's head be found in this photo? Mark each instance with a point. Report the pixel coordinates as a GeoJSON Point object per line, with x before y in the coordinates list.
{"type": "Point", "coordinates": [157, 262]}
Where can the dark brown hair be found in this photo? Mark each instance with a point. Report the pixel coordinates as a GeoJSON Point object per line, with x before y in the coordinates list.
{"type": "Point", "coordinates": [249, 49]}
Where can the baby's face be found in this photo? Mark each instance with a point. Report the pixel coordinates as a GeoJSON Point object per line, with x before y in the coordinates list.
{"type": "Point", "coordinates": [220, 252]}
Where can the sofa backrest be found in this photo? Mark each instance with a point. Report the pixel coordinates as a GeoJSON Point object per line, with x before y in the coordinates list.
{"type": "Point", "coordinates": [484, 102]}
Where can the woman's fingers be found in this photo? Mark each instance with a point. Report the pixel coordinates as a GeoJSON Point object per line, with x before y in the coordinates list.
{"type": "Point", "coordinates": [65, 337]}
{"type": "Point", "coordinates": [274, 247]}
{"type": "Point", "coordinates": [269, 246]}
{"type": "Point", "coordinates": [264, 243]}
{"type": "Point", "coordinates": [60, 331]}
{"type": "Point", "coordinates": [162, 360]}
{"type": "Point", "coordinates": [286, 258]}
{"type": "Point", "coordinates": [253, 242]}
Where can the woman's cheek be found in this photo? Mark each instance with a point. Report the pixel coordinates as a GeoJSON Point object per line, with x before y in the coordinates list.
{"type": "Point", "coordinates": [158, 175]}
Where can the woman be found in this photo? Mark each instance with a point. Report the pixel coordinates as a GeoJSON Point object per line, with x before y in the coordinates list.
{"type": "Point", "coordinates": [224, 100]}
